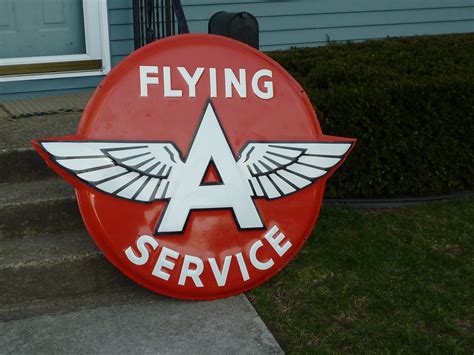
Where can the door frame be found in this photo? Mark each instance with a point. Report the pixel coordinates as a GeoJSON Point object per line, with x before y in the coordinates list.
{"type": "Point", "coordinates": [96, 30]}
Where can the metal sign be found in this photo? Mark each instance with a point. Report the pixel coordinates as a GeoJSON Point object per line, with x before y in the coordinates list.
{"type": "Point", "coordinates": [199, 166]}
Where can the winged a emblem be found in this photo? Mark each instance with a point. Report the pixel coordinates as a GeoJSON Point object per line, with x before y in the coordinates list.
{"type": "Point", "coordinates": [141, 171]}
{"type": "Point", "coordinates": [153, 171]}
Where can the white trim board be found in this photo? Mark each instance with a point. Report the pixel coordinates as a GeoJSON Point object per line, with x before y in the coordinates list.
{"type": "Point", "coordinates": [96, 28]}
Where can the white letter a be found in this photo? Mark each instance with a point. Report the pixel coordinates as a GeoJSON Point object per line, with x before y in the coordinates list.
{"type": "Point", "coordinates": [189, 194]}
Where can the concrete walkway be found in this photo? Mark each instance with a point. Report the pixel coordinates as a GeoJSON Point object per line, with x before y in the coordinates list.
{"type": "Point", "coordinates": [159, 326]}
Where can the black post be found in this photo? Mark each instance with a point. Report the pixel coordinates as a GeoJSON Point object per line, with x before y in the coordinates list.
{"type": "Point", "coordinates": [168, 17]}
{"type": "Point", "coordinates": [136, 28]}
{"type": "Point", "coordinates": [149, 9]}
{"type": "Point", "coordinates": [155, 19]}
{"type": "Point", "coordinates": [182, 23]}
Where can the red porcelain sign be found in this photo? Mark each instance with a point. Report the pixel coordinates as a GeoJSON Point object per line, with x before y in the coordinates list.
{"type": "Point", "coordinates": [199, 166]}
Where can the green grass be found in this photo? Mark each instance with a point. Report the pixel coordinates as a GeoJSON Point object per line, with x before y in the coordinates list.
{"type": "Point", "coordinates": [390, 281]}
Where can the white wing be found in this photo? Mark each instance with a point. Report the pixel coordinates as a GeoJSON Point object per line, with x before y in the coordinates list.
{"type": "Point", "coordinates": [135, 171]}
{"type": "Point", "coordinates": [277, 169]}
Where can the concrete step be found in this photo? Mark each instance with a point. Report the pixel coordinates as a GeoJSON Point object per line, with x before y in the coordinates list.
{"type": "Point", "coordinates": [22, 164]}
{"type": "Point", "coordinates": [42, 267]}
{"type": "Point", "coordinates": [45, 206]}
{"type": "Point", "coordinates": [151, 324]}
{"type": "Point", "coordinates": [38, 106]}
{"type": "Point", "coordinates": [18, 159]}
{"type": "Point", "coordinates": [65, 304]}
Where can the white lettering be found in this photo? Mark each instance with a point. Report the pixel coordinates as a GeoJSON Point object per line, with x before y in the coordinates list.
{"type": "Point", "coordinates": [275, 241]}
{"type": "Point", "coordinates": [220, 276]}
{"type": "Point", "coordinates": [213, 82]}
{"type": "Point", "coordinates": [242, 266]}
{"type": "Point", "coordinates": [261, 81]}
{"type": "Point", "coordinates": [265, 95]}
{"type": "Point", "coordinates": [141, 246]}
{"type": "Point", "coordinates": [168, 90]}
{"type": "Point", "coordinates": [145, 79]}
{"type": "Point", "coordinates": [193, 266]}
{"type": "Point", "coordinates": [253, 257]}
{"type": "Point", "coordinates": [162, 262]}
{"type": "Point", "coordinates": [186, 271]}
{"type": "Point", "coordinates": [191, 80]}
{"type": "Point", "coordinates": [240, 84]}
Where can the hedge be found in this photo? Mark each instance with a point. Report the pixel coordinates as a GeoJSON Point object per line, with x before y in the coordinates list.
{"type": "Point", "coordinates": [408, 101]}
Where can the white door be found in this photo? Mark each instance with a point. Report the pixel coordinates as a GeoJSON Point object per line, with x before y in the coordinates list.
{"type": "Point", "coordinates": [31, 28]}
{"type": "Point", "coordinates": [53, 38]}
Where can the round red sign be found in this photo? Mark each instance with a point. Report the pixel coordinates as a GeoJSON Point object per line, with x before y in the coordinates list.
{"type": "Point", "coordinates": [199, 166]}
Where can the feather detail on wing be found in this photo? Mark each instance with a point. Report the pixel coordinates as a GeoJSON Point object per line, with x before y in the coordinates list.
{"type": "Point", "coordinates": [277, 169]}
{"type": "Point", "coordinates": [135, 171]}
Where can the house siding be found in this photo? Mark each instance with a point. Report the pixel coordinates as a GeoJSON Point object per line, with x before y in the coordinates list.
{"type": "Point", "coordinates": [283, 24]}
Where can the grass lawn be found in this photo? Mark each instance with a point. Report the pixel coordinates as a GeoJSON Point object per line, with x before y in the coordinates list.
{"type": "Point", "coordinates": [396, 280]}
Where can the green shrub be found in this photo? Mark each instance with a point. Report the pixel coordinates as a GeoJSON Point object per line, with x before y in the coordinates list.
{"type": "Point", "coordinates": [408, 101]}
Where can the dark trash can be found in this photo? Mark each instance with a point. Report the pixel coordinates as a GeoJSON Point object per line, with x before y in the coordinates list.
{"type": "Point", "coordinates": [240, 26]}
